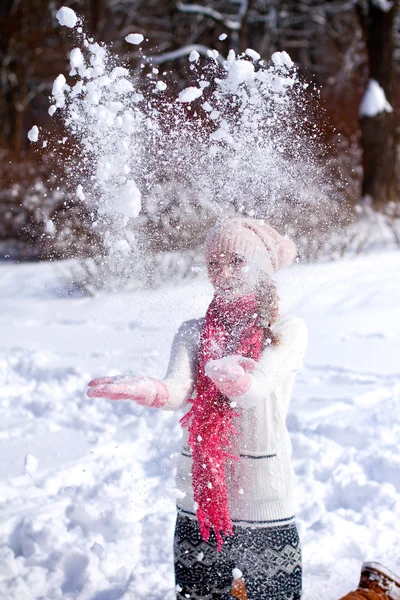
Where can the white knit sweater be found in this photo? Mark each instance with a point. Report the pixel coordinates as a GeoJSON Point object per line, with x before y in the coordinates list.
{"type": "Point", "coordinates": [260, 484]}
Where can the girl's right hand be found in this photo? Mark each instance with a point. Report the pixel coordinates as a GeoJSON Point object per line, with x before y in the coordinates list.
{"type": "Point", "coordinates": [143, 390]}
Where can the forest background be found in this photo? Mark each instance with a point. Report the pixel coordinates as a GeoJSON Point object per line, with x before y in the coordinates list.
{"type": "Point", "coordinates": [339, 46]}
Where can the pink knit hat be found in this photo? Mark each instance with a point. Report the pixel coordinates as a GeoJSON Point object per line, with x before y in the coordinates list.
{"type": "Point", "coordinates": [255, 239]}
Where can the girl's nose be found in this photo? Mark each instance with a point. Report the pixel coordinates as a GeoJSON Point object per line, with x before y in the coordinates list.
{"type": "Point", "coordinates": [226, 271]}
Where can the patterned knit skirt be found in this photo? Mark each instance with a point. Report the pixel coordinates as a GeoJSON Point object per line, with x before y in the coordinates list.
{"type": "Point", "coordinates": [269, 559]}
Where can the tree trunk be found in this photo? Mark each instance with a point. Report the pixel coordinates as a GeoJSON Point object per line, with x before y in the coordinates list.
{"type": "Point", "coordinates": [378, 133]}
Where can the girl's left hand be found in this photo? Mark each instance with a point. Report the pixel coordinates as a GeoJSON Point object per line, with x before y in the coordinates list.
{"type": "Point", "coordinates": [231, 374]}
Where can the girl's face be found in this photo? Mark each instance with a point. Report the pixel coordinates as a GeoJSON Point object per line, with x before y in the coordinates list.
{"type": "Point", "coordinates": [231, 275]}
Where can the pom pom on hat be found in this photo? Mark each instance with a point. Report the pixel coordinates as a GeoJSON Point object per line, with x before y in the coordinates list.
{"type": "Point", "coordinates": [255, 239]}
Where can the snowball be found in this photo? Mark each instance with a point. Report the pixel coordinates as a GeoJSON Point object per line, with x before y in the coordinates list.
{"type": "Point", "coordinates": [52, 109]}
{"type": "Point", "coordinates": [129, 201]}
{"type": "Point", "coordinates": [200, 556]}
{"type": "Point", "coordinates": [374, 101]}
{"type": "Point", "coordinates": [30, 464]}
{"type": "Point", "coordinates": [253, 54]}
{"type": "Point", "coordinates": [66, 16]}
{"type": "Point", "coordinates": [80, 193]}
{"type": "Point", "coordinates": [222, 37]}
{"type": "Point", "coordinates": [237, 573]}
{"type": "Point", "coordinates": [134, 38]}
{"type": "Point", "coordinates": [33, 134]}
{"type": "Point", "coordinates": [161, 85]}
{"type": "Point", "coordinates": [194, 56]}
{"type": "Point", "coordinates": [207, 107]}
{"type": "Point", "coordinates": [189, 94]}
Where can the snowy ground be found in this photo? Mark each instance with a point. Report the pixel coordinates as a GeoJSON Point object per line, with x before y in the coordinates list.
{"type": "Point", "coordinates": [95, 520]}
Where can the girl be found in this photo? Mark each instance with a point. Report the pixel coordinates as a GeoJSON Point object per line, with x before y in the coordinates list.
{"type": "Point", "coordinates": [233, 371]}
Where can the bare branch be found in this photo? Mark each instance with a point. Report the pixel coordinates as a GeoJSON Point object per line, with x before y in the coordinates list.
{"type": "Point", "coordinates": [158, 59]}
{"type": "Point", "coordinates": [210, 12]}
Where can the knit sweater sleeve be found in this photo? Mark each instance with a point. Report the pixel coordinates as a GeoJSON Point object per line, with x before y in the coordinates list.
{"type": "Point", "coordinates": [181, 373]}
{"type": "Point", "coordinates": [277, 363]}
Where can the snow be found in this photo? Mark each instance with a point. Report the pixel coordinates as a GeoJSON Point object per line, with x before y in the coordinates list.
{"type": "Point", "coordinates": [79, 192]}
{"type": "Point", "coordinates": [33, 134]}
{"type": "Point", "coordinates": [237, 573]}
{"type": "Point", "coordinates": [77, 61]}
{"type": "Point", "coordinates": [189, 94]}
{"type": "Point", "coordinates": [213, 54]}
{"type": "Point", "coordinates": [241, 71]}
{"type": "Point", "coordinates": [374, 101]}
{"type": "Point", "coordinates": [222, 37]}
{"type": "Point", "coordinates": [58, 90]}
{"type": "Point", "coordinates": [207, 106]}
{"type": "Point", "coordinates": [96, 520]}
{"type": "Point", "coordinates": [253, 54]}
{"type": "Point", "coordinates": [122, 86]}
{"type": "Point", "coordinates": [282, 59]}
{"type": "Point", "coordinates": [384, 5]}
{"type": "Point", "coordinates": [134, 38]}
{"type": "Point", "coordinates": [30, 464]}
{"type": "Point", "coordinates": [119, 72]}
{"type": "Point", "coordinates": [66, 16]}
{"type": "Point", "coordinates": [194, 56]}
{"type": "Point", "coordinates": [128, 202]}
{"type": "Point", "coordinates": [161, 85]}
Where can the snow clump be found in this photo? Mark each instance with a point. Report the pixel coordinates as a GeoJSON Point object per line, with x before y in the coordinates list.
{"type": "Point", "coordinates": [30, 464]}
{"type": "Point", "coordinates": [67, 17]}
{"type": "Point", "coordinates": [189, 94]}
{"type": "Point", "coordinates": [194, 56]}
{"type": "Point", "coordinates": [129, 201]}
{"type": "Point", "coordinates": [374, 101]}
{"type": "Point", "coordinates": [33, 134]}
{"type": "Point", "coordinates": [58, 92]}
{"type": "Point", "coordinates": [134, 38]}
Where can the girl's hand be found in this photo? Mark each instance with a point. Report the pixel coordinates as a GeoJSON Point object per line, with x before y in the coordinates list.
{"type": "Point", "coordinates": [231, 374]}
{"type": "Point", "coordinates": [143, 390]}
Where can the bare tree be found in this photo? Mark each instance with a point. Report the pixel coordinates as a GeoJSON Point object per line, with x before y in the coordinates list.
{"type": "Point", "coordinates": [379, 138]}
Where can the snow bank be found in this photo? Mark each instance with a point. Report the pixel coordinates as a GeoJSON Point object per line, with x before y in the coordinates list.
{"type": "Point", "coordinates": [97, 515]}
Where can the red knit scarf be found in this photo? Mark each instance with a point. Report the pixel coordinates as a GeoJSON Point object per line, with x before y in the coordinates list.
{"type": "Point", "coordinates": [229, 328]}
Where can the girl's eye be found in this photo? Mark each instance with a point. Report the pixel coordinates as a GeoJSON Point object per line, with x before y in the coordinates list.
{"type": "Point", "coordinates": [238, 261]}
{"type": "Point", "coordinates": [212, 264]}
